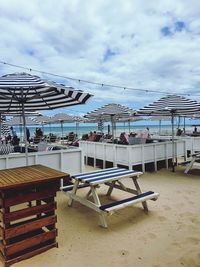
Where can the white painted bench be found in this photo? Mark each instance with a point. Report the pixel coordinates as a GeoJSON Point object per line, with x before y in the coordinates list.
{"type": "Point", "coordinates": [195, 157]}
{"type": "Point", "coordinates": [112, 177]}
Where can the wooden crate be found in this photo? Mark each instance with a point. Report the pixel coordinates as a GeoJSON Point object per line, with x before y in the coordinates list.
{"type": "Point", "coordinates": [27, 220]}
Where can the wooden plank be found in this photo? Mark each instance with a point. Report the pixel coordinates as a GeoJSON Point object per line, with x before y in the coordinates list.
{"type": "Point", "coordinates": [25, 197]}
{"type": "Point", "coordinates": [1, 232]}
{"type": "Point", "coordinates": [24, 213]}
{"type": "Point", "coordinates": [35, 174]}
{"type": "Point", "coordinates": [29, 254]}
{"type": "Point", "coordinates": [30, 242]}
{"type": "Point", "coordinates": [2, 251]}
{"type": "Point", "coordinates": [29, 226]}
{"type": "Point", "coordinates": [1, 216]}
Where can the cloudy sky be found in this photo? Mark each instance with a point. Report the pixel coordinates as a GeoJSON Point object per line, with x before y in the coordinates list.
{"type": "Point", "coordinates": [140, 44]}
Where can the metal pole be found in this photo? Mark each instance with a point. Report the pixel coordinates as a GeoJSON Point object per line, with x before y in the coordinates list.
{"type": "Point", "coordinates": [173, 145]}
{"type": "Point", "coordinates": [159, 127]}
{"type": "Point", "coordinates": [112, 123]}
{"type": "Point", "coordinates": [25, 137]}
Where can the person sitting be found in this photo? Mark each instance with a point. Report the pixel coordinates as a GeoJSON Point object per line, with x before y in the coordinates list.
{"type": "Point", "coordinates": [179, 132]}
{"type": "Point", "coordinates": [13, 131]}
{"type": "Point", "coordinates": [146, 133]}
{"type": "Point", "coordinates": [15, 141]}
{"type": "Point", "coordinates": [122, 139]}
{"type": "Point", "coordinates": [27, 134]}
{"type": "Point", "coordinates": [92, 136]}
{"type": "Point", "coordinates": [38, 135]}
{"type": "Point", "coordinates": [195, 130]}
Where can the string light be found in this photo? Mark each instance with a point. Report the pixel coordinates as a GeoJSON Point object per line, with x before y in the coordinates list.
{"type": "Point", "coordinates": [90, 82]}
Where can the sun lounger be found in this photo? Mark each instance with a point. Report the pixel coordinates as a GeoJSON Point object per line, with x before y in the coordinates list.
{"type": "Point", "coordinates": [114, 179]}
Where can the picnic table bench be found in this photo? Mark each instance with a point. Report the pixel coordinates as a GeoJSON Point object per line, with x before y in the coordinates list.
{"type": "Point", "coordinates": [195, 157]}
{"type": "Point", "coordinates": [111, 177]}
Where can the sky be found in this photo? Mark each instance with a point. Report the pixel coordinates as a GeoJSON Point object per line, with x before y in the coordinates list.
{"type": "Point", "coordinates": [141, 44]}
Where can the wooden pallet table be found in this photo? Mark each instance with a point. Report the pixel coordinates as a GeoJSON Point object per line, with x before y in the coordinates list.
{"type": "Point", "coordinates": [27, 211]}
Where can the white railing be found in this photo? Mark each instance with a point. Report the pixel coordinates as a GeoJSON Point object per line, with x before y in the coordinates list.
{"type": "Point", "coordinates": [132, 155]}
{"type": "Point", "coordinates": [67, 160]}
{"type": "Point", "coordinates": [192, 143]}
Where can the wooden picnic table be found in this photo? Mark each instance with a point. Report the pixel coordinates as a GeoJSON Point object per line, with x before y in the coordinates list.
{"type": "Point", "coordinates": [27, 230]}
{"type": "Point", "coordinates": [114, 179]}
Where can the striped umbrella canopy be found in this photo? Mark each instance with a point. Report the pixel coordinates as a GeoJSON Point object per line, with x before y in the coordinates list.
{"type": "Point", "coordinates": [64, 118]}
{"type": "Point", "coordinates": [15, 121]}
{"type": "Point", "coordinates": [44, 119]}
{"type": "Point", "coordinates": [111, 112]}
{"type": "Point", "coordinates": [171, 105]}
{"type": "Point", "coordinates": [18, 121]}
{"type": "Point", "coordinates": [27, 92]}
{"type": "Point", "coordinates": [5, 129]}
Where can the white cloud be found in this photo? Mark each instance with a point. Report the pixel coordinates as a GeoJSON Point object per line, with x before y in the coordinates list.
{"type": "Point", "coordinates": [72, 38]}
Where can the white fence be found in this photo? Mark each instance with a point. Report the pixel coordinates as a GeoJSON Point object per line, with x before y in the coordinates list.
{"type": "Point", "coordinates": [192, 143]}
{"type": "Point", "coordinates": [66, 160]}
{"type": "Point", "coordinates": [132, 155]}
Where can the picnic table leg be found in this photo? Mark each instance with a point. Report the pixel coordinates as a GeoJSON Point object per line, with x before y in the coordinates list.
{"type": "Point", "coordinates": [189, 166]}
{"type": "Point", "coordinates": [98, 203]}
{"type": "Point", "coordinates": [139, 191]}
{"type": "Point", "coordinates": [89, 193]}
{"type": "Point", "coordinates": [110, 189]}
{"type": "Point", "coordinates": [70, 202]}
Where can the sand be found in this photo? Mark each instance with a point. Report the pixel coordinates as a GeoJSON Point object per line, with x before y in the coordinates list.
{"type": "Point", "coordinates": [169, 235]}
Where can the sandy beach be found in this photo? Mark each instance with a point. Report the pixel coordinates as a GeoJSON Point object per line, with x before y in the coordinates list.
{"type": "Point", "coordinates": [168, 236]}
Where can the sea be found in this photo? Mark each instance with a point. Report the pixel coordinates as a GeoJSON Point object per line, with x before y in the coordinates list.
{"type": "Point", "coordinates": [85, 129]}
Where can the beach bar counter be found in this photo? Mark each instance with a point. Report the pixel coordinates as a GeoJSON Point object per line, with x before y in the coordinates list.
{"type": "Point", "coordinates": [132, 156]}
{"type": "Point", "coordinates": [27, 214]}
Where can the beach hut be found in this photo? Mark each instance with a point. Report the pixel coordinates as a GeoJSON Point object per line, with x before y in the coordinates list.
{"type": "Point", "coordinates": [171, 105]}
{"type": "Point", "coordinates": [26, 92]}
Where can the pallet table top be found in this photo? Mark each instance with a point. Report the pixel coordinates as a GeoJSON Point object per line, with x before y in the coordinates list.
{"type": "Point", "coordinates": [23, 176]}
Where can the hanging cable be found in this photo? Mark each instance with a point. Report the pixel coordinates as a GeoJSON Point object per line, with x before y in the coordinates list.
{"type": "Point", "coordinates": [94, 83]}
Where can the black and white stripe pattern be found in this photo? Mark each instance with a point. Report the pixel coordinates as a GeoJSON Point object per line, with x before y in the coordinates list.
{"type": "Point", "coordinates": [36, 94]}
{"type": "Point", "coordinates": [5, 129]}
{"type": "Point", "coordinates": [171, 104]}
{"type": "Point", "coordinates": [14, 121]}
{"type": "Point", "coordinates": [62, 117]}
{"type": "Point", "coordinates": [103, 176]}
{"type": "Point", "coordinates": [110, 110]}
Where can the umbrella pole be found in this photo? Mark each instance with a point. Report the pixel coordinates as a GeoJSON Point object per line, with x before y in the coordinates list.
{"type": "Point", "coordinates": [62, 131]}
{"type": "Point", "coordinates": [25, 137]}
{"type": "Point", "coordinates": [159, 128]}
{"type": "Point", "coordinates": [112, 122]}
{"type": "Point", "coordinates": [173, 145]}
{"type": "Point", "coordinates": [0, 125]}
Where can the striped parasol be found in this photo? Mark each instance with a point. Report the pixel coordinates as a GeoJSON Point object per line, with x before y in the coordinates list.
{"type": "Point", "coordinates": [5, 129]}
{"type": "Point", "coordinates": [171, 105]}
{"type": "Point", "coordinates": [27, 92]}
{"type": "Point", "coordinates": [111, 112]}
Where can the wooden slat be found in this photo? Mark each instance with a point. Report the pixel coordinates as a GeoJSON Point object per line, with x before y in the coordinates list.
{"type": "Point", "coordinates": [24, 213]}
{"type": "Point", "coordinates": [1, 216]}
{"type": "Point", "coordinates": [30, 242]}
{"type": "Point", "coordinates": [29, 226]}
{"type": "Point", "coordinates": [27, 255]}
{"type": "Point", "coordinates": [36, 174]}
{"type": "Point", "coordinates": [2, 251]}
{"type": "Point", "coordinates": [1, 232]}
{"type": "Point", "coordinates": [29, 197]}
